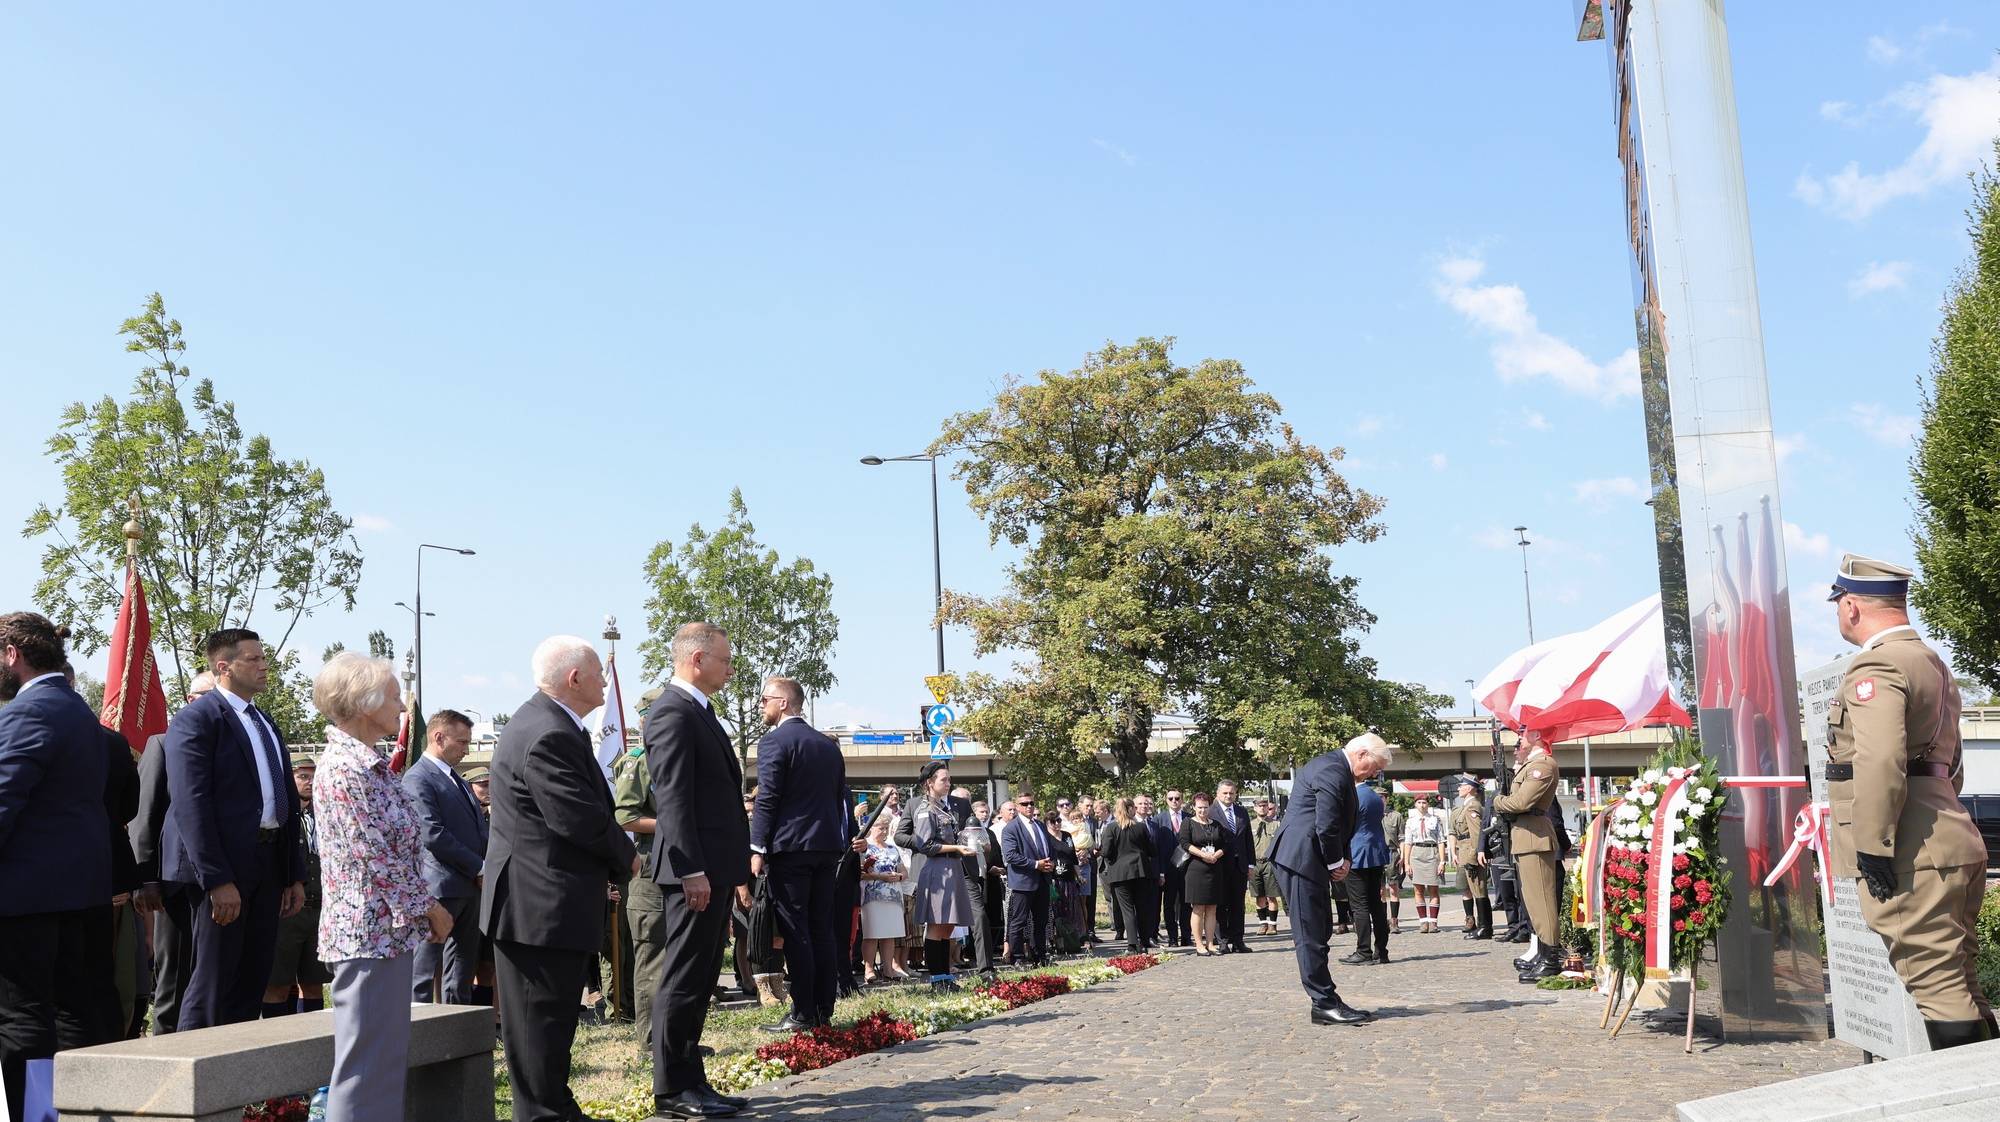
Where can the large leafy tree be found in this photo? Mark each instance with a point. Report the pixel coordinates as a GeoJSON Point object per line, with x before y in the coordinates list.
{"type": "Point", "coordinates": [1175, 539]}
{"type": "Point", "coordinates": [233, 535]}
{"type": "Point", "coordinates": [779, 615]}
{"type": "Point", "coordinates": [1956, 469]}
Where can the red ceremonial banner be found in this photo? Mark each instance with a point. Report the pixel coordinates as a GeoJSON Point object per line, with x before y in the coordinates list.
{"type": "Point", "coordinates": [134, 703]}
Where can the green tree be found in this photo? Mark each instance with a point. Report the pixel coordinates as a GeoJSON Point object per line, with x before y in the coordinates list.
{"type": "Point", "coordinates": [1175, 539]}
{"type": "Point", "coordinates": [1956, 469]}
{"type": "Point", "coordinates": [232, 534]}
{"type": "Point", "coordinates": [779, 615]}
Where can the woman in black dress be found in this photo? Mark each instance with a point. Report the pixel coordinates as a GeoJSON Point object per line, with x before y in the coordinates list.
{"type": "Point", "coordinates": [1127, 853]}
{"type": "Point", "coordinates": [1201, 838]}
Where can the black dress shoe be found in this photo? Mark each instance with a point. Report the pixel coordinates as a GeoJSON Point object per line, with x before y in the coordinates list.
{"type": "Point", "coordinates": [1381, 959]}
{"type": "Point", "coordinates": [1548, 966]}
{"type": "Point", "coordinates": [1339, 1013]}
{"type": "Point", "coordinates": [789, 1024]}
{"type": "Point", "coordinates": [691, 1103]}
{"type": "Point", "coordinates": [1357, 958]}
{"type": "Point", "coordinates": [733, 1100]}
{"type": "Point", "coordinates": [1239, 948]}
{"type": "Point", "coordinates": [1521, 938]}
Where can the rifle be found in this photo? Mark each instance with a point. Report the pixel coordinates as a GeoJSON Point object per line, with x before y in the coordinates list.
{"type": "Point", "coordinates": [1503, 780]}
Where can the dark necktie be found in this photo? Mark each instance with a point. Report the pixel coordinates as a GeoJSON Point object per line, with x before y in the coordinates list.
{"type": "Point", "coordinates": [267, 748]}
{"type": "Point", "coordinates": [464, 788]}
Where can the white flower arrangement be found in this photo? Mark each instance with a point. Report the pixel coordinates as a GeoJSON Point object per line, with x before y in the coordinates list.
{"type": "Point", "coordinates": [1649, 798]}
{"type": "Point", "coordinates": [1676, 772]}
{"type": "Point", "coordinates": [1695, 810]}
{"type": "Point", "coordinates": [1652, 776]}
{"type": "Point", "coordinates": [1703, 795]}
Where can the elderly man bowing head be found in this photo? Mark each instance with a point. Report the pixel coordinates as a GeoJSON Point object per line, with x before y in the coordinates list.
{"type": "Point", "coordinates": [1311, 854]}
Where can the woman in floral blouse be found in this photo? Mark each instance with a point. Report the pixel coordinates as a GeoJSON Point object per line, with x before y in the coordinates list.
{"type": "Point", "coordinates": [374, 908]}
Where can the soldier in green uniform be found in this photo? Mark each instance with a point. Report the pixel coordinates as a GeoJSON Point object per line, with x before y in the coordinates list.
{"type": "Point", "coordinates": [1892, 787]}
{"type": "Point", "coordinates": [1537, 863]}
{"type": "Point", "coordinates": [632, 798]}
{"type": "Point", "coordinates": [1468, 841]}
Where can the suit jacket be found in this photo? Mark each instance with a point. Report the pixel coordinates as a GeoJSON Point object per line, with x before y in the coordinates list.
{"type": "Point", "coordinates": [454, 828]}
{"type": "Point", "coordinates": [1175, 857]}
{"type": "Point", "coordinates": [144, 831]}
{"type": "Point", "coordinates": [1319, 817]}
{"type": "Point", "coordinates": [55, 838]}
{"type": "Point", "coordinates": [1167, 852]}
{"type": "Point", "coordinates": [802, 802]}
{"type": "Point", "coordinates": [554, 843]}
{"type": "Point", "coordinates": [1241, 849]}
{"type": "Point", "coordinates": [1128, 853]}
{"type": "Point", "coordinates": [1019, 853]}
{"type": "Point", "coordinates": [121, 803]}
{"type": "Point", "coordinates": [698, 789]}
{"type": "Point", "coordinates": [210, 835]}
{"type": "Point", "coordinates": [1367, 847]}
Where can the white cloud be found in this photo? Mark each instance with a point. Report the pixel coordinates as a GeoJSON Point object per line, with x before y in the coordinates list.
{"type": "Point", "coordinates": [1521, 349]}
{"type": "Point", "coordinates": [1961, 114]}
{"type": "Point", "coordinates": [474, 681]}
{"type": "Point", "coordinates": [1879, 276]}
{"type": "Point", "coordinates": [1535, 420]}
{"type": "Point", "coordinates": [1894, 430]}
{"type": "Point", "coordinates": [1798, 542]}
{"type": "Point", "coordinates": [1123, 156]}
{"type": "Point", "coordinates": [1840, 113]}
{"type": "Point", "coordinates": [1439, 461]}
{"type": "Point", "coordinates": [1598, 494]}
{"type": "Point", "coordinates": [1567, 594]}
{"type": "Point", "coordinates": [1883, 50]}
{"type": "Point", "coordinates": [372, 524]}
{"type": "Point", "coordinates": [1787, 444]}
{"type": "Point", "coordinates": [1368, 425]}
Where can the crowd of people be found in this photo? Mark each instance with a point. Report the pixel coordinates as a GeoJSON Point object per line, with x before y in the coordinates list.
{"type": "Point", "coordinates": [226, 880]}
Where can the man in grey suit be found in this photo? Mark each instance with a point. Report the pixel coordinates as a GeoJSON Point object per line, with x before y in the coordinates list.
{"type": "Point", "coordinates": [454, 851]}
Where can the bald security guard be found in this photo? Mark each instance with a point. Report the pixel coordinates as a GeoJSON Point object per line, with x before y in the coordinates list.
{"type": "Point", "coordinates": [1537, 861]}
{"type": "Point", "coordinates": [1892, 782]}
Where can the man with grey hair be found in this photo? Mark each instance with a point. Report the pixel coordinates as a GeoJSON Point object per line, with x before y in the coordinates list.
{"type": "Point", "coordinates": [701, 854]}
{"type": "Point", "coordinates": [553, 847]}
{"type": "Point", "coordinates": [1310, 854]}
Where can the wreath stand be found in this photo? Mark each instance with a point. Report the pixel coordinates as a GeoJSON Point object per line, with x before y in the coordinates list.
{"type": "Point", "coordinates": [1617, 995]}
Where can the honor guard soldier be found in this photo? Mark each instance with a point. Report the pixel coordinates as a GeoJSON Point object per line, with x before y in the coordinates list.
{"type": "Point", "coordinates": [1537, 862]}
{"type": "Point", "coordinates": [1468, 840]}
{"type": "Point", "coordinates": [1892, 784]}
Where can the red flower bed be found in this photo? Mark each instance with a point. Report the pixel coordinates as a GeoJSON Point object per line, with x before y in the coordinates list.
{"type": "Point", "coordinates": [1132, 963]}
{"type": "Point", "coordinates": [1028, 990]}
{"type": "Point", "coordinates": [810, 1051]}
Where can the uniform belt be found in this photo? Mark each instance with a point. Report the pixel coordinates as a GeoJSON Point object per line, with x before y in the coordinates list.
{"type": "Point", "coordinates": [1423, 843]}
{"type": "Point", "coordinates": [1920, 769]}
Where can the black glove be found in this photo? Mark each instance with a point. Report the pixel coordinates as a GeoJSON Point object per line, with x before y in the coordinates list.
{"type": "Point", "coordinates": [1879, 872]}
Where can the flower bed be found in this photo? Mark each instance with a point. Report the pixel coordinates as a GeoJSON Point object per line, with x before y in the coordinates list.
{"type": "Point", "coordinates": [1028, 990]}
{"type": "Point", "coordinates": [1132, 963]}
{"type": "Point", "coordinates": [824, 1046]}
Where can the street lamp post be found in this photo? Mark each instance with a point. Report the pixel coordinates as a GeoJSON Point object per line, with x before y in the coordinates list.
{"type": "Point", "coordinates": [413, 615]}
{"type": "Point", "coordinates": [1526, 594]}
{"type": "Point", "coordinates": [419, 612]}
{"type": "Point", "coordinates": [937, 553]}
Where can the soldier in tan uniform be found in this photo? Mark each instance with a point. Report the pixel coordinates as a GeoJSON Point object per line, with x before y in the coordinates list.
{"type": "Point", "coordinates": [1536, 861]}
{"type": "Point", "coordinates": [1892, 782]}
{"type": "Point", "coordinates": [1468, 842]}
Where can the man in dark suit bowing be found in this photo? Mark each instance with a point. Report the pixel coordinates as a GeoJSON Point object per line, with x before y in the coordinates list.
{"type": "Point", "coordinates": [798, 830]}
{"type": "Point", "coordinates": [701, 855]}
{"type": "Point", "coordinates": [553, 848]}
{"type": "Point", "coordinates": [1310, 855]}
{"type": "Point", "coordinates": [454, 829]}
{"type": "Point", "coordinates": [231, 839]}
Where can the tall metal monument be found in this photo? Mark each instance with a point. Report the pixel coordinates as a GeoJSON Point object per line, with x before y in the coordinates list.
{"type": "Point", "coordinates": [1715, 479]}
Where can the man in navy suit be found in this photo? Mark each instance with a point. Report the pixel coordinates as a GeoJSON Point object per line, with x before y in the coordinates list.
{"type": "Point", "coordinates": [1310, 854]}
{"type": "Point", "coordinates": [454, 852]}
{"type": "Point", "coordinates": [1026, 848]}
{"type": "Point", "coordinates": [1175, 912]}
{"type": "Point", "coordinates": [701, 856]}
{"type": "Point", "coordinates": [232, 834]}
{"type": "Point", "coordinates": [55, 858]}
{"type": "Point", "coordinates": [1235, 865]}
{"type": "Point", "coordinates": [798, 830]}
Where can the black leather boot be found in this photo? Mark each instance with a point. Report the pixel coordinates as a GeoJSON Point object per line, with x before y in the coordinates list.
{"type": "Point", "coordinates": [1951, 1034]}
{"type": "Point", "coordinates": [1485, 919]}
{"type": "Point", "coordinates": [1548, 965]}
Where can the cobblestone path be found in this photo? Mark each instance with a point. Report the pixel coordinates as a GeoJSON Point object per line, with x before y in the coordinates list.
{"type": "Point", "coordinates": [1455, 1038]}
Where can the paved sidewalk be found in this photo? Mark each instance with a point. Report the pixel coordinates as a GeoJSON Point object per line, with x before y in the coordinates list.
{"type": "Point", "coordinates": [1456, 1038]}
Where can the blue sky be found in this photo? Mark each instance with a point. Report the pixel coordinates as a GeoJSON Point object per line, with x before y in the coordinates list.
{"type": "Point", "coordinates": [547, 284]}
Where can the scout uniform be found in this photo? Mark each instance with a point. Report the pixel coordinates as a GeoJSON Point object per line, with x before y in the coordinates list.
{"type": "Point", "coordinates": [1392, 874]}
{"type": "Point", "coordinates": [632, 799]}
{"type": "Point", "coordinates": [1467, 840]}
{"type": "Point", "coordinates": [1536, 862]}
{"type": "Point", "coordinates": [1263, 875]}
{"type": "Point", "coordinates": [1892, 787]}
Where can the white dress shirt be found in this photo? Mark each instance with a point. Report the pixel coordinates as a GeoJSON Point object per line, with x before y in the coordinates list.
{"type": "Point", "coordinates": [267, 784]}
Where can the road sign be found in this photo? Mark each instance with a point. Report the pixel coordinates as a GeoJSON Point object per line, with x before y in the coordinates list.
{"type": "Point", "coordinates": [942, 686]}
{"type": "Point", "coordinates": [941, 748]}
{"type": "Point", "coordinates": [940, 718]}
{"type": "Point", "coordinates": [880, 738]}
